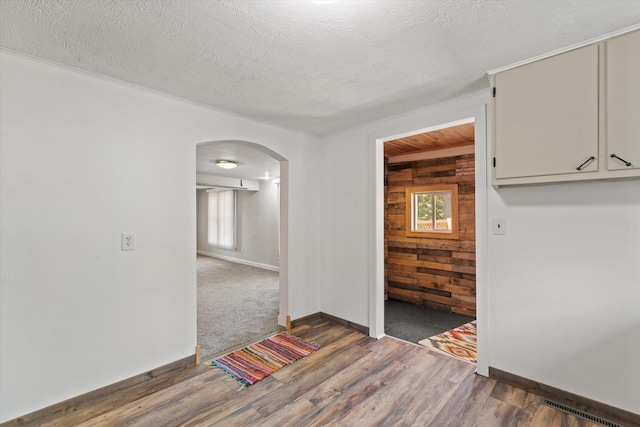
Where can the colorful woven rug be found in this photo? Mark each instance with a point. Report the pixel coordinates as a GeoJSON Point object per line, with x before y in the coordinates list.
{"type": "Point", "coordinates": [257, 361]}
{"type": "Point", "coordinates": [459, 342]}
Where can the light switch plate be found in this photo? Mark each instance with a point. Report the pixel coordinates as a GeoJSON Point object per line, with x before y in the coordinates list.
{"type": "Point", "coordinates": [499, 226]}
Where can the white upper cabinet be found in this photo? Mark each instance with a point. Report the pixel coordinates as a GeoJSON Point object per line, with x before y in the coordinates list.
{"type": "Point", "coordinates": [623, 102]}
{"type": "Point", "coordinates": [573, 116]}
{"type": "Point", "coordinates": [546, 116]}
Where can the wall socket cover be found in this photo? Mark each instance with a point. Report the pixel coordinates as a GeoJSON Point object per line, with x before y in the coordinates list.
{"type": "Point", "coordinates": [500, 226]}
{"type": "Point", "coordinates": [128, 242]}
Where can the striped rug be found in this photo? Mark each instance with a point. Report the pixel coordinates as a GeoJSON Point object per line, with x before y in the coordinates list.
{"type": "Point", "coordinates": [459, 342]}
{"type": "Point", "coordinates": [257, 361]}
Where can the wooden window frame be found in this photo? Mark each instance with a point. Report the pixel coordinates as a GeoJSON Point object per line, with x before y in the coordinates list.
{"type": "Point", "coordinates": [410, 191]}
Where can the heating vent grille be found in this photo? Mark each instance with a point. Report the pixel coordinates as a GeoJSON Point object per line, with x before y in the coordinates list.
{"type": "Point", "coordinates": [581, 414]}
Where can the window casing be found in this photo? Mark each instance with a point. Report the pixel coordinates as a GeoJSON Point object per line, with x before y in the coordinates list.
{"type": "Point", "coordinates": [221, 224]}
{"type": "Point", "coordinates": [432, 211]}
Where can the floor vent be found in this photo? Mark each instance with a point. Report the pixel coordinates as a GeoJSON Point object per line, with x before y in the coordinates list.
{"type": "Point", "coordinates": [581, 414]}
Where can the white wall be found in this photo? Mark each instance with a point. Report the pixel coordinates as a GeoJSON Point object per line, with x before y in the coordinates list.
{"type": "Point", "coordinates": [83, 159]}
{"type": "Point", "coordinates": [560, 292]}
{"type": "Point", "coordinates": [565, 288]}
{"type": "Point", "coordinates": [257, 227]}
{"type": "Point", "coordinates": [345, 225]}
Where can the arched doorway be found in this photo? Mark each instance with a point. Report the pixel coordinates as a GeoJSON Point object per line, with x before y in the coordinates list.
{"type": "Point", "coordinates": [258, 190]}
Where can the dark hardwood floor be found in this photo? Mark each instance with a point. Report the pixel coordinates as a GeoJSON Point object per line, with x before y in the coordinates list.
{"type": "Point", "coordinates": [351, 381]}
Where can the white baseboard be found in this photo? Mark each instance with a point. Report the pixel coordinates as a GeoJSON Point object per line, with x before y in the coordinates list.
{"type": "Point", "coordinates": [242, 261]}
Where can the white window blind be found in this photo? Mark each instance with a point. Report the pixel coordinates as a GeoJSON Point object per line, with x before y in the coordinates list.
{"type": "Point", "coordinates": [222, 219]}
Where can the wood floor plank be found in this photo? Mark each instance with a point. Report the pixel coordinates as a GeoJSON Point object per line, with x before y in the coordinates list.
{"type": "Point", "coordinates": [395, 402]}
{"type": "Point", "coordinates": [169, 405]}
{"type": "Point", "coordinates": [447, 367]}
{"type": "Point", "coordinates": [325, 353]}
{"type": "Point", "coordinates": [495, 412]}
{"type": "Point", "coordinates": [308, 373]}
{"type": "Point", "coordinates": [466, 402]}
{"type": "Point", "coordinates": [453, 369]}
{"type": "Point", "coordinates": [244, 416]}
{"type": "Point", "coordinates": [324, 333]}
{"type": "Point", "coordinates": [352, 380]}
{"type": "Point", "coordinates": [232, 403]}
{"type": "Point", "coordinates": [335, 386]}
{"type": "Point", "coordinates": [292, 415]}
{"type": "Point", "coordinates": [509, 394]}
{"type": "Point", "coordinates": [385, 392]}
{"type": "Point", "coordinates": [93, 408]}
{"type": "Point", "coordinates": [406, 356]}
{"type": "Point", "coordinates": [347, 409]}
{"type": "Point", "coordinates": [341, 337]}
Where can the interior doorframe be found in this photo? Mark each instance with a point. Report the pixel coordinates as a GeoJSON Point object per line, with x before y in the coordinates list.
{"type": "Point", "coordinates": [283, 194]}
{"type": "Point", "coordinates": [473, 107]}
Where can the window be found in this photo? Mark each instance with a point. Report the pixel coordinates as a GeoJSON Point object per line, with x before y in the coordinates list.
{"type": "Point", "coordinates": [432, 211]}
{"type": "Point", "coordinates": [222, 219]}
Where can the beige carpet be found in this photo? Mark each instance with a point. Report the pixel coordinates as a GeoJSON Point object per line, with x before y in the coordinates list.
{"type": "Point", "coordinates": [237, 304]}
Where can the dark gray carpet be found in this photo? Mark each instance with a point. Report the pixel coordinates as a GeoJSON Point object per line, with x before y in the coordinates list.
{"type": "Point", "coordinates": [413, 323]}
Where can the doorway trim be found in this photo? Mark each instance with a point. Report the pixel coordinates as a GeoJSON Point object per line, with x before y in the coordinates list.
{"type": "Point", "coordinates": [448, 114]}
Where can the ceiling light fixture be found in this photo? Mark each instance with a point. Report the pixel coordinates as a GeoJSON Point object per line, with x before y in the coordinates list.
{"type": "Point", "coordinates": [226, 164]}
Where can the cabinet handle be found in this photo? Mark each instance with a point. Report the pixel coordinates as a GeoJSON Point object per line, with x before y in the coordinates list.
{"type": "Point", "coordinates": [613, 156]}
{"type": "Point", "coordinates": [590, 159]}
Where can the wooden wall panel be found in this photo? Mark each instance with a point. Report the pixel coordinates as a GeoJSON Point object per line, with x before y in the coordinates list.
{"type": "Point", "coordinates": [438, 273]}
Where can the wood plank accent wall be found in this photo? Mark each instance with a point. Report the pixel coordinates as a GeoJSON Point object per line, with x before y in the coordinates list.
{"type": "Point", "coordinates": [439, 273]}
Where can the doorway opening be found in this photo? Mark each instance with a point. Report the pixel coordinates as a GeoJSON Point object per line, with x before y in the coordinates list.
{"type": "Point", "coordinates": [241, 261]}
{"type": "Point", "coordinates": [474, 109]}
{"type": "Point", "coordinates": [429, 236]}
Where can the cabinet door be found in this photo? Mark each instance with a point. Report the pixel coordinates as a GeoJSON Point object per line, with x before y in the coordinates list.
{"type": "Point", "coordinates": [546, 116]}
{"type": "Point", "coordinates": [623, 102]}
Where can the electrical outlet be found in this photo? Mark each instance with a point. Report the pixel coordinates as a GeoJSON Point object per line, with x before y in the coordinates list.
{"type": "Point", "coordinates": [499, 226]}
{"type": "Point", "coordinates": [128, 242]}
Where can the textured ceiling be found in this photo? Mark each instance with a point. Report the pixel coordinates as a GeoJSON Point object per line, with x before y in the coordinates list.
{"type": "Point", "coordinates": [300, 64]}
